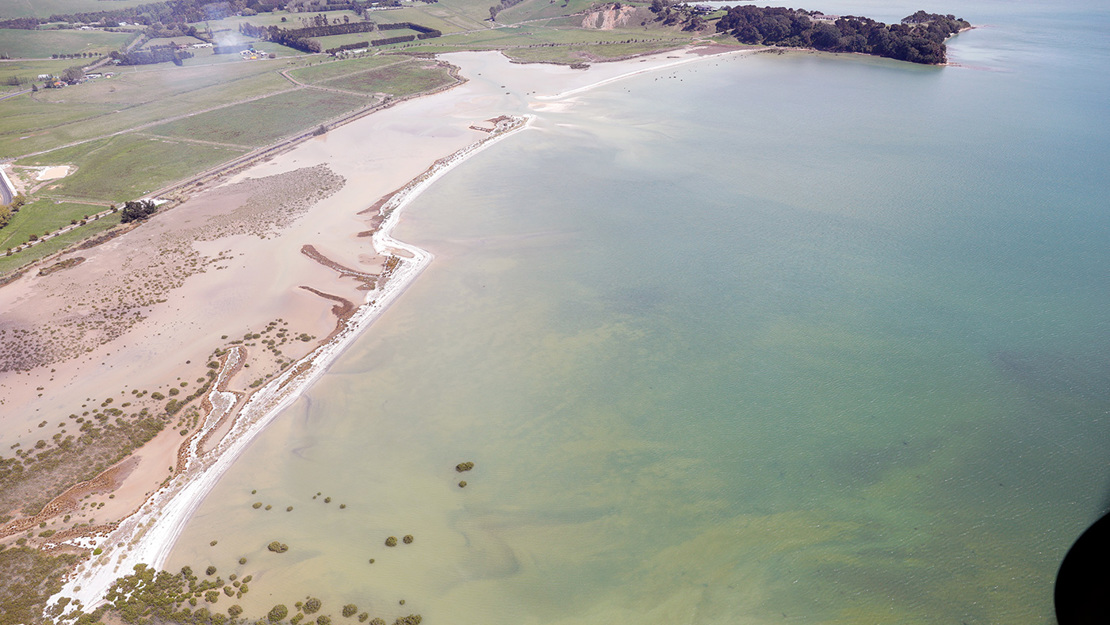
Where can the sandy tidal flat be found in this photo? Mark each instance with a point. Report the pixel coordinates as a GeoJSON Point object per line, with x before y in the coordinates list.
{"type": "Point", "coordinates": [144, 312]}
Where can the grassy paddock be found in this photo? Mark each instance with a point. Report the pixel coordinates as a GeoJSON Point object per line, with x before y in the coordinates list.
{"type": "Point", "coordinates": [41, 217]}
{"type": "Point", "coordinates": [399, 80]}
{"type": "Point", "coordinates": [40, 44]}
{"type": "Point", "coordinates": [46, 248]}
{"type": "Point", "coordinates": [45, 8]}
{"type": "Point", "coordinates": [513, 37]}
{"type": "Point", "coordinates": [315, 74]}
{"type": "Point", "coordinates": [292, 20]}
{"type": "Point", "coordinates": [536, 9]}
{"type": "Point", "coordinates": [22, 117]}
{"type": "Point", "coordinates": [432, 16]}
{"type": "Point", "coordinates": [263, 121]}
{"type": "Point", "coordinates": [126, 167]}
{"type": "Point", "coordinates": [128, 100]}
{"type": "Point", "coordinates": [476, 11]}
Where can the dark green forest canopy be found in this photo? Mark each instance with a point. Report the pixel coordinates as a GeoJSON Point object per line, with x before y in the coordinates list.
{"type": "Point", "coordinates": [919, 38]}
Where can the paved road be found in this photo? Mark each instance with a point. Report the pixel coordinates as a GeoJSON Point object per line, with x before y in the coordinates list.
{"type": "Point", "coordinates": [12, 95]}
{"type": "Point", "coordinates": [7, 189]}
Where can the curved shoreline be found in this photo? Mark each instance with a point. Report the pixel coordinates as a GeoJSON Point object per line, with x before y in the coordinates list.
{"type": "Point", "coordinates": [148, 535]}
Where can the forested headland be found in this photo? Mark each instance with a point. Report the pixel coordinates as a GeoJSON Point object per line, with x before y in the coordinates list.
{"type": "Point", "coordinates": [918, 38]}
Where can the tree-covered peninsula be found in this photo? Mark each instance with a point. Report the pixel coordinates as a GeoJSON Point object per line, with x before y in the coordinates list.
{"type": "Point", "coordinates": [918, 38]}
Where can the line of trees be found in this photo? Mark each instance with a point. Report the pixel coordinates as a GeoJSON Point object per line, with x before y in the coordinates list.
{"type": "Point", "coordinates": [389, 40]}
{"type": "Point", "coordinates": [350, 46]}
{"type": "Point", "coordinates": [919, 38]}
{"type": "Point", "coordinates": [152, 55]}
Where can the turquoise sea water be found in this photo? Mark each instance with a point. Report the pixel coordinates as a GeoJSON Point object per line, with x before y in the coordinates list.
{"type": "Point", "coordinates": [791, 338]}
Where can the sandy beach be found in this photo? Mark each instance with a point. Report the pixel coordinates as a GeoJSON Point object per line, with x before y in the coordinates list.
{"type": "Point", "coordinates": [249, 289]}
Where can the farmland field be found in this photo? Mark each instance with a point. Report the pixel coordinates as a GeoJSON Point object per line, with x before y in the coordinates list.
{"type": "Point", "coordinates": [516, 37]}
{"type": "Point", "coordinates": [475, 12]}
{"type": "Point", "coordinates": [45, 8]}
{"type": "Point", "coordinates": [432, 16]}
{"type": "Point", "coordinates": [292, 20]}
{"type": "Point", "coordinates": [263, 121]}
{"type": "Point", "coordinates": [22, 117]}
{"type": "Point", "coordinates": [534, 9]}
{"type": "Point", "coordinates": [39, 44]}
{"type": "Point", "coordinates": [130, 99]}
{"type": "Point", "coordinates": [126, 167]}
{"type": "Point", "coordinates": [46, 248]}
{"type": "Point", "coordinates": [319, 73]}
{"type": "Point", "coordinates": [397, 80]}
{"type": "Point", "coordinates": [41, 217]}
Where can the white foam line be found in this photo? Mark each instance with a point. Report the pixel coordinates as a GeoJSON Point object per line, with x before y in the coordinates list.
{"type": "Point", "coordinates": [148, 536]}
{"type": "Point", "coordinates": [645, 70]}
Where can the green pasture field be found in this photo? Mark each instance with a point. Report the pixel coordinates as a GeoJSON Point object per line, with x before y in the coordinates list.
{"type": "Point", "coordinates": [474, 11]}
{"type": "Point", "coordinates": [40, 44]}
{"type": "Point", "coordinates": [397, 80]}
{"type": "Point", "coordinates": [55, 244]}
{"type": "Point", "coordinates": [315, 74]}
{"type": "Point", "coordinates": [431, 15]}
{"type": "Point", "coordinates": [515, 37]}
{"type": "Point", "coordinates": [292, 20]}
{"type": "Point", "coordinates": [27, 124]}
{"type": "Point", "coordinates": [263, 121]}
{"type": "Point", "coordinates": [536, 9]}
{"type": "Point", "coordinates": [41, 217]}
{"type": "Point", "coordinates": [45, 8]}
{"type": "Point", "coordinates": [126, 167]}
{"type": "Point", "coordinates": [132, 98]}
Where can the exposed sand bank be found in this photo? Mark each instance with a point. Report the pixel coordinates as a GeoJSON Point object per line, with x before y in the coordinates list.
{"type": "Point", "coordinates": [52, 173]}
{"type": "Point", "coordinates": [229, 262]}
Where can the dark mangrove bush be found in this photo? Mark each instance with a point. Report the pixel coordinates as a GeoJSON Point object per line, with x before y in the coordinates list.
{"type": "Point", "coordinates": [919, 38]}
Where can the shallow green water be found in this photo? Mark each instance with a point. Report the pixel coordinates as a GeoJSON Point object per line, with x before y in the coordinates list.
{"type": "Point", "coordinates": [775, 338]}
